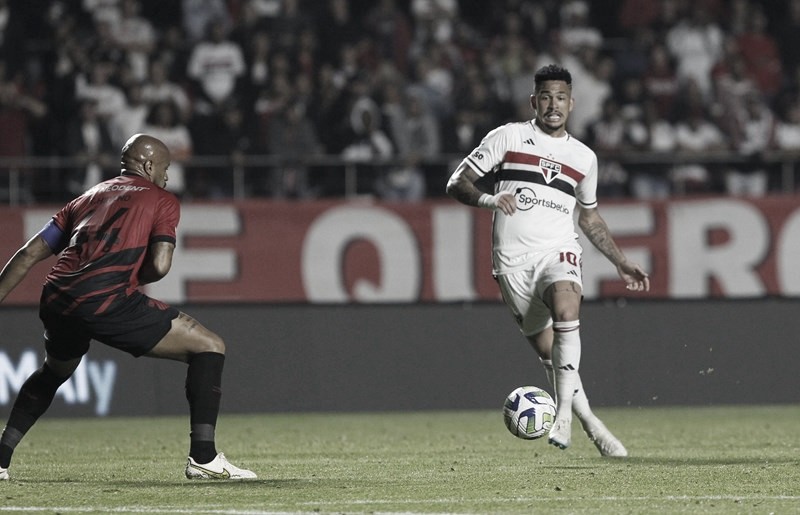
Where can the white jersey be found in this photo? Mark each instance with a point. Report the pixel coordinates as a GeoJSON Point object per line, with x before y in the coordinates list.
{"type": "Point", "coordinates": [548, 176]}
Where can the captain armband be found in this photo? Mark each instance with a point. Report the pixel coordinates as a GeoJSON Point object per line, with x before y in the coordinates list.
{"type": "Point", "coordinates": [54, 237]}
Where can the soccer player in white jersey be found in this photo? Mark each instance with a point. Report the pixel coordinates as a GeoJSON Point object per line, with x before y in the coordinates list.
{"type": "Point", "coordinates": [541, 175]}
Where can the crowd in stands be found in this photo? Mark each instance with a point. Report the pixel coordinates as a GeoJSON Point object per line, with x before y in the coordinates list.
{"type": "Point", "coordinates": [393, 81]}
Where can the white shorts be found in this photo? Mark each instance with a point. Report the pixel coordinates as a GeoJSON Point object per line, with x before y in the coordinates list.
{"type": "Point", "coordinates": [523, 291]}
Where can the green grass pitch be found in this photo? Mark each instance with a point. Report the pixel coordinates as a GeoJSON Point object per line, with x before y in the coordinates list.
{"type": "Point", "coordinates": [683, 460]}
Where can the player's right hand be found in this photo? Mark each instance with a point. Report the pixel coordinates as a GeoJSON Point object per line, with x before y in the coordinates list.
{"type": "Point", "coordinates": [502, 201]}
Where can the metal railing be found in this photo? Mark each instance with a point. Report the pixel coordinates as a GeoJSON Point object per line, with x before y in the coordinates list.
{"type": "Point", "coordinates": [353, 178]}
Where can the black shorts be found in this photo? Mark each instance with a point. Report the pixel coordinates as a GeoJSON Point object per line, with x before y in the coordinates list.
{"type": "Point", "coordinates": [135, 325]}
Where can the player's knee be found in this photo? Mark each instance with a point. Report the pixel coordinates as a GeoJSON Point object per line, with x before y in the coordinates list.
{"type": "Point", "coordinates": [214, 343]}
{"type": "Point", "coordinates": [565, 315]}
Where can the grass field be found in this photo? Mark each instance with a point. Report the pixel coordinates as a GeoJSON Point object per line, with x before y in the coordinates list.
{"type": "Point", "coordinates": [683, 460]}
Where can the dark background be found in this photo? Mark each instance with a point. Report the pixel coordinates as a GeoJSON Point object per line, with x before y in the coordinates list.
{"type": "Point", "coordinates": [459, 356]}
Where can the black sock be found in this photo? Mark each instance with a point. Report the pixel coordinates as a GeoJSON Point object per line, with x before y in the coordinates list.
{"type": "Point", "coordinates": [34, 398]}
{"type": "Point", "coordinates": [204, 391]}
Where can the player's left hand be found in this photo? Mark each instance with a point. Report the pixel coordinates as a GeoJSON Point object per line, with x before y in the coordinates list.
{"type": "Point", "coordinates": [634, 276]}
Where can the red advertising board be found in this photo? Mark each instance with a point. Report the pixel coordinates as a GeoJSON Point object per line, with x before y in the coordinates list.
{"type": "Point", "coordinates": [342, 251]}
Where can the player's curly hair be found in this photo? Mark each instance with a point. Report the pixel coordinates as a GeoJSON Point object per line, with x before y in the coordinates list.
{"type": "Point", "coordinates": [551, 72]}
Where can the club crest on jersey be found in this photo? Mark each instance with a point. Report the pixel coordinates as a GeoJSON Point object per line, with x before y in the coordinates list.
{"type": "Point", "coordinates": [549, 169]}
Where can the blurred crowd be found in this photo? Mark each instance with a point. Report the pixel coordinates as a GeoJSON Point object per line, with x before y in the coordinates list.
{"type": "Point", "coordinates": [400, 82]}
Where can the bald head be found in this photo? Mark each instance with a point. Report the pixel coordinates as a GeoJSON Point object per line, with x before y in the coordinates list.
{"type": "Point", "coordinates": [147, 157]}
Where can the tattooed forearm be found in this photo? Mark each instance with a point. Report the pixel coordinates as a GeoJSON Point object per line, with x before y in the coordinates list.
{"type": "Point", "coordinates": [465, 195]}
{"type": "Point", "coordinates": [597, 232]}
{"type": "Point", "coordinates": [463, 190]}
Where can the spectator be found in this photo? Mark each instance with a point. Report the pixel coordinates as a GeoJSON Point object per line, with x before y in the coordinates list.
{"type": "Point", "coordinates": [591, 77]}
{"type": "Point", "coordinates": [435, 82]}
{"type": "Point", "coordinates": [732, 84]}
{"type": "Point", "coordinates": [631, 98]}
{"type": "Point", "coordinates": [215, 66]}
{"type": "Point", "coordinates": [98, 88]}
{"type": "Point", "coordinates": [735, 20]}
{"type": "Point", "coordinates": [607, 135]}
{"type": "Point", "coordinates": [403, 183]}
{"type": "Point", "coordinates": [293, 140]}
{"type": "Point", "coordinates": [632, 59]}
{"type": "Point", "coordinates": [103, 10]}
{"type": "Point", "coordinates": [337, 24]}
{"type": "Point", "coordinates": [229, 135]}
{"type": "Point", "coordinates": [164, 124]}
{"type": "Point", "coordinates": [173, 51]}
{"type": "Point", "coordinates": [787, 35]}
{"type": "Point", "coordinates": [89, 143]}
{"type": "Point", "coordinates": [15, 26]}
{"type": "Point", "coordinates": [101, 44]}
{"type": "Point", "coordinates": [159, 88]}
{"type": "Point", "coordinates": [695, 136]}
{"type": "Point", "coordinates": [369, 145]}
{"type": "Point", "coordinates": [392, 32]}
{"type": "Point", "coordinates": [19, 112]}
{"type": "Point", "coordinates": [346, 50]}
{"type": "Point", "coordinates": [656, 134]}
{"type": "Point", "coordinates": [576, 29]}
{"type": "Point", "coordinates": [416, 131]}
{"type": "Point", "coordinates": [198, 15]}
{"type": "Point", "coordinates": [636, 14]}
{"type": "Point", "coordinates": [129, 120]}
{"type": "Point", "coordinates": [417, 136]}
{"type": "Point", "coordinates": [136, 36]}
{"type": "Point", "coordinates": [753, 135]}
{"type": "Point", "coordinates": [787, 128]}
{"type": "Point", "coordinates": [475, 115]}
{"type": "Point", "coordinates": [760, 53]}
{"type": "Point", "coordinates": [257, 61]}
{"type": "Point", "coordinates": [433, 21]}
{"type": "Point", "coordinates": [787, 137]}
{"type": "Point", "coordinates": [660, 80]}
{"type": "Point", "coordinates": [696, 43]}
{"type": "Point", "coordinates": [291, 20]}
{"type": "Point", "coordinates": [369, 141]}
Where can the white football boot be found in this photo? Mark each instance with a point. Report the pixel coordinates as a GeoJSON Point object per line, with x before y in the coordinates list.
{"type": "Point", "coordinates": [4, 474]}
{"type": "Point", "coordinates": [561, 432]}
{"type": "Point", "coordinates": [606, 443]}
{"type": "Point", "coordinates": [218, 468]}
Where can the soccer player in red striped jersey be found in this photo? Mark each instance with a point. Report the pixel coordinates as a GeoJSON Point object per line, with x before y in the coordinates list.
{"type": "Point", "coordinates": [541, 176]}
{"type": "Point", "coordinates": [116, 236]}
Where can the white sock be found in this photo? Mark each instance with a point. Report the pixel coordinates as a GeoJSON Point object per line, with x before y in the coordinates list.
{"type": "Point", "coordinates": [566, 362]}
{"type": "Point", "coordinates": [580, 402]}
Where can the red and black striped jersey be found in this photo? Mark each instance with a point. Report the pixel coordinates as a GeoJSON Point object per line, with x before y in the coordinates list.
{"type": "Point", "coordinates": [107, 232]}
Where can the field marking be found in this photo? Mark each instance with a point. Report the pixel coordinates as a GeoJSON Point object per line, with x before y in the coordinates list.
{"type": "Point", "coordinates": [613, 498]}
{"type": "Point", "coordinates": [136, 509]}
{"type": "Point", "coordinates": [133, 509]}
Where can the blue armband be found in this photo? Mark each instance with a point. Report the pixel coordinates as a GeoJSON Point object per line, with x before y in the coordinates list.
{"type": "Point", "coordinates": [54, 237]}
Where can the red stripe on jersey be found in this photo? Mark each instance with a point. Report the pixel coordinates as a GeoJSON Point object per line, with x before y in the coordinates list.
{"type": "Point", "coordinates": [533, 160]}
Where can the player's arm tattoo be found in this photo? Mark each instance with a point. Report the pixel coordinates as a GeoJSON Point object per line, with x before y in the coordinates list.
{"type": "Point", "coordinates": [462, 187]}
{"type": "Point", "coordinates": [464, 191]}
{"type": "Point", "coordinates": [597, 232]}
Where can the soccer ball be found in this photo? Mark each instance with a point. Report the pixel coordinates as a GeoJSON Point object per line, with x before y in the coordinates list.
{"type": "Point", "coordinates": [529, 412]}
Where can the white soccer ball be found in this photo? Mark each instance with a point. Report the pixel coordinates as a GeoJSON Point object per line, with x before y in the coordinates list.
{"type": "Point", "coordinates": [529, 412]}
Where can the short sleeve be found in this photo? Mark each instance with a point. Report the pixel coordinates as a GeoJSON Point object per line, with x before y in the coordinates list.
{"type": "Point", "coordinates": [168, 216]}
{"type": "Point", "coordinates": [490, 152]}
